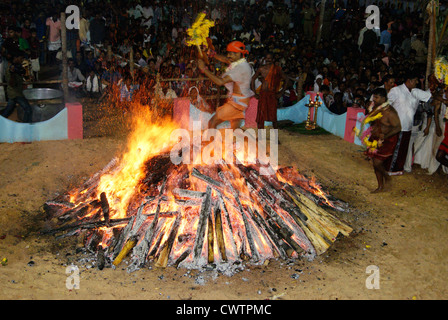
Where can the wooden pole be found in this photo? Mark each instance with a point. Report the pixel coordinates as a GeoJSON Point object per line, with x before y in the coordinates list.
{"type": "Point", "coordinates": [64, 56]}
{"type": "Point", "coordinates": [431, 9]}
{"type": "Point", "coordinates": [321, 22]}
{"type": "Point", "coordinates": [109, 53]}
{"type": "Point", "coordinates": [131, 63]}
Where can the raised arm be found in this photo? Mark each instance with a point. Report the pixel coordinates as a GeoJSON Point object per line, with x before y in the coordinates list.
{"type": "Point", "coordinates": [222, 58]}
{"type": "Point", "coordinates": [215, 79]}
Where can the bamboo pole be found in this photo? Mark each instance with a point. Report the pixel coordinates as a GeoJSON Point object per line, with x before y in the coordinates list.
{"type": "Point", "coordinates": [130, 244]}
{"type": "Point", "coordinates": [431, 9]}
{"type": "Point", "coordinates": [64, 56]}
{"type": "Point", "coordinates": [321, 22]}
{"type": "Point", "coordinates": [109, 53]}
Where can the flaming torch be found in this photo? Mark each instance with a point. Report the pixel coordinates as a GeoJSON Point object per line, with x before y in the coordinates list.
{"type": "Point", "coordinates": [199, 32]}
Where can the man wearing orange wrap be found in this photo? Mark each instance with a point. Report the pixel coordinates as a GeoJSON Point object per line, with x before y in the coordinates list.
{"type": "Point", "coordinates": [271, 77]}
{"type": "Point", "coordinates": [237, 81]}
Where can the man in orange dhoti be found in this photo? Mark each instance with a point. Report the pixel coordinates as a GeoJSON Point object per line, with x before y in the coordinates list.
{"type": "Point", "coordinates": [271, 89]}
{"type": "Point", "coordinates": [237, 81]}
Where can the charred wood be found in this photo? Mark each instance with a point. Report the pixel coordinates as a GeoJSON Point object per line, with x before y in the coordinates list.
{"type": "Point", "coordinates": [203, 218]}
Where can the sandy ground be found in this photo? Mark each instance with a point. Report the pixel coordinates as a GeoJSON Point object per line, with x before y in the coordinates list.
{"type": "Point", "coordinates": [403, 232]}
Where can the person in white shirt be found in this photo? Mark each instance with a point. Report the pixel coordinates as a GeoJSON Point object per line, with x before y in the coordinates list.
{"type": "Point", "coordinates": [405, 99]}
{"type": "Point", "coordinates": [75, 77]}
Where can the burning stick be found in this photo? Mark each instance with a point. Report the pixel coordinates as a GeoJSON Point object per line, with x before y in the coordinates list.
{"type": "Point", "coordinates": [196, 173]}
{"type": "Point", "coordinates": [219, 232]}
{"type": "Point", "coordinates": [272, 237]}
{"type": "Point", "coordinates": [162, 261]}
{"type": "Point", "coordinates": [86, 225]}
{"type": "Point", "coordinates": [105, 207]}
{"type": "Point", "coordinates": [123, 236]}
{"type": "Point", "coordinates": [242, 211]}
{"type": "Point", "coordinates": [227, 216]}
{"type": "Point", "coordinates": [203, 218]}
{"type": "Point", "coordinates": [210, 239]}
{"type": "Point", "coordinates": [182, 257]}
{"type": "Point", "coordinates": [80, 211]}
{"type": "Point", "coordinates": [130, 244]}
{"type": "Point", "coordinates": [185, 193]}
{"type": "Point", "coordinates": [141, 251]}
{"type": "Point", "coordinates": [332, 224]}
{"type": "Point", "coordinates": [281, 228]}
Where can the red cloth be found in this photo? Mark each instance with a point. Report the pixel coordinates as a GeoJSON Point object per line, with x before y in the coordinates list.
{"type": "Point", "coordinates": [398, 159]}
{"type": "Point", "coordinates": [267, 107]}
{"type": "Point", "coordinates": [386, 150]}
{"type": "Point", "coordinates": [444, 144]}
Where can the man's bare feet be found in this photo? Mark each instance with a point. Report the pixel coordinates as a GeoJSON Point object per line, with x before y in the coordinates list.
{"type": "Point", "coordinates": [387, 184]}
{"type": "Point", "coordinates": [378, 190]}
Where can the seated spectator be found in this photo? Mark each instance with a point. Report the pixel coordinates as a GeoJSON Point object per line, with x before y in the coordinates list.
{"type": "Point", "coordinates": [94, 86]}
{"type": "Point", "coordinates": [80, 63]}
{"type": "Point", "coordinates": [358, 102]}
{"type": "Point", "coordinates": [75, 78]}
{"type": "Point", "coordinates": [338, 107]}
{"type": "Point", "coordinates": [327, 95]}
{"type": "Point", "coordinates": [140, 60]}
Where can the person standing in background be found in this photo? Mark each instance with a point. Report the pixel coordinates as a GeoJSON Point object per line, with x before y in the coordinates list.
{"type": "Point", "coordinates": [54, 37]}
{"type": "Point", "coordinates": [405, 99]}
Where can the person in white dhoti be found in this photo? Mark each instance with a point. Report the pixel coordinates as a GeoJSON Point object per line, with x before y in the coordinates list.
{"type": "Point", "coordinates": [428, 140]}
{"type": "Point", "coordinates": [405, 99]}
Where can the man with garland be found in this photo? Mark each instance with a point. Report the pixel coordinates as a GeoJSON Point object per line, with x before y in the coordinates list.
{"type": "Point", "coordinates": [385, 127]}
{"type": "Point", "coordinates": [237, 80]}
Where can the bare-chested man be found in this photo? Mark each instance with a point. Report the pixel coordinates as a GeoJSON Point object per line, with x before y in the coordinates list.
{"type": "Point", "coordinates": [384, 131]}
{"type": "Point", "coordinates": [271, 77]}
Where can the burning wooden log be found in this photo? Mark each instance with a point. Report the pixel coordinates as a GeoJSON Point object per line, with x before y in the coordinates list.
{"type": "Point", "coordinates": [219, 232]}
{"type": "Point", "coordinates": [162, 261]}
{"type": "Point", "coordinates": [203, 219]}
{"type": "Point", "coordinates": [123, 237]}
{"type": "Point", "coordinates": [335, 226]}
{"type": "Point", "coordinates": [86, 225]}
{"type": "Point", "coordinates": [250, 239]}
{"type": "Point", "coordinates": [185, 193]}
{"type": "Point", "coordinates": [210, 181]}
{"type": "Point", "coordinates": [210, 239]}
{"type": "Point", "coordinates": [244, 215]}
{"type": "Point", "coordinates": [275, 241]}
{"type": "Point", "coordinates": [130, 244]}
{"type": "Point", "coordinates": [105, 207]}
{"type": "Point", "coordinates": [182, 257]}
{"type": "Point", "coordinates": [140, 253]}
{"type": "Point", "coordinates": [79, 211]}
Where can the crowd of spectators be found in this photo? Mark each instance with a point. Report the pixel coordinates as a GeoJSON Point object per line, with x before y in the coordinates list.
{"type": "Point", "coordinates": [347, 64]}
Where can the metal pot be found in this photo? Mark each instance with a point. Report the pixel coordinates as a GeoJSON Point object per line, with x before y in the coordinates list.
{"type": "Point", "coordinates": [45, 103]}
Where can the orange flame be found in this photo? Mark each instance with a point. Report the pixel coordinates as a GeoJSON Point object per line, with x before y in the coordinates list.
{"type": "Point", "coordinates": [147, 140]}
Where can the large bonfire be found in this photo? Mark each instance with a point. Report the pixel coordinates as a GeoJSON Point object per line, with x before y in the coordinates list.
{"type": "Point", "coordinates": [146, 210]}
